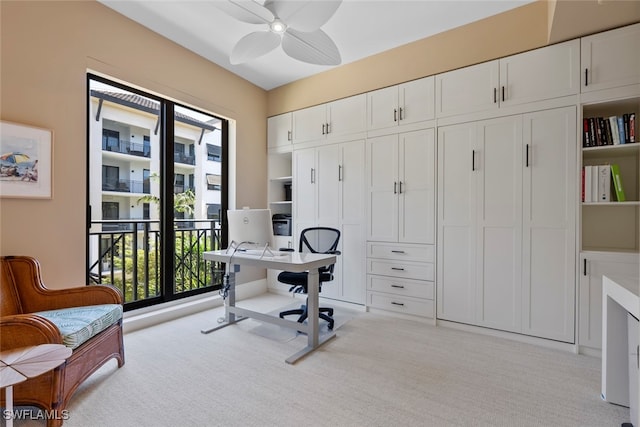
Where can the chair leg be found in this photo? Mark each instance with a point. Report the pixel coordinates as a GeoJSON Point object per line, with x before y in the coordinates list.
{"type": "Point", "coordinates": [328, 319]}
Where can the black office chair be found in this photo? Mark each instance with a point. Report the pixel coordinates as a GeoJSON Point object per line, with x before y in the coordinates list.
{"type": "Point", "coordinates": [322, 240]}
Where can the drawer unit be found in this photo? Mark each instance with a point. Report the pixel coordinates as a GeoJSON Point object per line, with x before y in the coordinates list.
{"type": "Point", "coordinates": [404, 287]}
{"type": "Point", "coordinates": [401, 304]}
{"type": "Point", "coordinates": [421, 253]}
{"type": "Point", "coordinates": [406, 270]}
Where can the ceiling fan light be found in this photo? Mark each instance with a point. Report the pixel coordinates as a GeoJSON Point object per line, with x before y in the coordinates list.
{"type": "Point", "coordinates": [278, 27]}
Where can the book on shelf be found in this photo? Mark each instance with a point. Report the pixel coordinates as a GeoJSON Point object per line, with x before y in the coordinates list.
{"type": "Point", "coordinates": [604, 183]}
{"type": "Point", "coordinates": [586, 184]}
{"type": "Point", "coordinates": [613, 130]}
{"type": "Point", "coordinates": [617, 182]}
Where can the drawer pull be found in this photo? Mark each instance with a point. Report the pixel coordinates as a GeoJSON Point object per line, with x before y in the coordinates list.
{"type": "Point", "coordinates": [397, 286]}
{"type": "Point", "coordinates": [397, 252]}
{"type": "Point", "coordinates": [397, 268]}
{"type": "Point", "coordinates": [397, 303]}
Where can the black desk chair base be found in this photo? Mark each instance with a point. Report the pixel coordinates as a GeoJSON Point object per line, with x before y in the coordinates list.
{"type": "Point", "coordinates": [325, 313]}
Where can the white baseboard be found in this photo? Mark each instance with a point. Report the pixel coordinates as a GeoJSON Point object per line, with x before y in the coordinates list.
{"type": "Point", "coordinates": [149, 316]}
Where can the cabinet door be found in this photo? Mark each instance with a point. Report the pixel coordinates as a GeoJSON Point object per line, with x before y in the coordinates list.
{"type": "Point", "coordinates": [279, 131]}
{"type": "Point", "coordinates": [382, 108]}
{"type": "Point", "coordinates": [328, 185]}
{"type": "Point", "coordinates": [309, 124]}
{"type": "Point", "coordinates": [498, 173]}
{"type": "Point", "coordinates": [416, 187]}
{"type": "Point", "coordinates": [382, 180]}
{"type": "Point", "coordinates": [416, 100]}
{"type": "Point", "coordinates": [549, 245]}
{"type": "Point", "coordinates": [540, 74]}
{"type": "Point", "coordinates": [594, 265]}
{"type": "Point", "coordinates": [304, 187]}
{"type": "Point", "coordinates": [347, 116]}
{"type": "Point", "coordinates": [456, 250]}
{"type": "Point", "coordinates": [467, 90]}
{"type": "Point", "coordinates": [610, 59]}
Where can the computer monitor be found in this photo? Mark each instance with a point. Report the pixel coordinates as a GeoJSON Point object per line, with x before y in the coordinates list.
{"type": "Point", "coordinates": [250, 227]}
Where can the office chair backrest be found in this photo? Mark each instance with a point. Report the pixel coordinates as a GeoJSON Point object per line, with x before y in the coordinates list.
{"type": "Point", "coordinates": [320, 240]}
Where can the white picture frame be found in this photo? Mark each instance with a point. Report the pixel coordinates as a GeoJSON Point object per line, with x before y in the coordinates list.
{"type": "Point", "coordinates": [26, 161]}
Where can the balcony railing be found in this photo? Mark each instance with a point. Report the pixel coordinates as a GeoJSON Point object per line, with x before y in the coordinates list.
{"type": "Point", "coordinates": [184, 158]}
{"type": "Point", "coordinates": [129, 257]}
{"type": "Point", "coordinates": [127, 147]}
{"type": "Point", "coordinates": [126, 186]}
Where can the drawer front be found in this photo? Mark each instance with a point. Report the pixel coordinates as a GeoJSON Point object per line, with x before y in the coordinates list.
{"type": "Point", "coordinates": [406, 305]}
{"type": "Point", "coordinates": [421, 253]}
{"type": "Point", "coordinates": [406, 270]}
{"type": "Point", "coordinates": [402, 287]}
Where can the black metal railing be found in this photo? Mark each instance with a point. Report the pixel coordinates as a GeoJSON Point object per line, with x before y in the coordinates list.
{"type": "Point", "coordinates": [127, 147]}
{"type": "Point", "coordinates": [126, 186]}
{"type": "Point", "coordinates": [186, 159]}
{"type": "Point", "coordinates": [126, 254]}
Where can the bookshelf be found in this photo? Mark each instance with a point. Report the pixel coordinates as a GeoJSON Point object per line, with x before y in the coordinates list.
{"type": "Point", "coordinates": [613, 226]}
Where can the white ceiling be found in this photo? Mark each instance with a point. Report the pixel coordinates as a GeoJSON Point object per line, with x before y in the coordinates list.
{"type": "Point", "coordinates": [360, 28]}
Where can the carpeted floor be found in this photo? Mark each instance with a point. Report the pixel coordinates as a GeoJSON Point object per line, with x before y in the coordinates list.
{"type": "Point", "coordinates": [379, 371]}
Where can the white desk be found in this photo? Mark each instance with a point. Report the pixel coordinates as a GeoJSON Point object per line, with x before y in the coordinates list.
{"type": "Point", "coordinates": [294, 261]}
{"type": "Point", "coordinates": [619, 297]}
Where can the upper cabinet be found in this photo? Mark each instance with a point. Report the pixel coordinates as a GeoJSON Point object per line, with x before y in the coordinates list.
{"type": "Point", "coordinates": [335, 119]}
{"type": "Point", "coordinates": [537, 75]}
{"type": "Point", "coordinates": [611, 59]}
{"type": "Point", "coordinates": [279, 133]}
{"type": "Point", "coordinates": [406, 103]}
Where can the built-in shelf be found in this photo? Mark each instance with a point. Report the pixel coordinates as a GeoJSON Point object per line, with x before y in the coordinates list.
{"type": "Point", "coordinates": [630, 203]}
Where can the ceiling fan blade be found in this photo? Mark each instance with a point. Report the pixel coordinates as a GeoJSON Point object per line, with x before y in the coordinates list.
{"type": "Point", "coordinates": [307, 16]}
{"type": "Point", "coordinates": [246, 11]}
{"type": "Point", "coordinates": [253, 46]}
{"type": "Point", "coordinates": [315, 47]}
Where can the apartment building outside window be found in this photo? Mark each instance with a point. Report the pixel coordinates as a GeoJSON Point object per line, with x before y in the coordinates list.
{"type": "Point", "coordinates": [150, 195]}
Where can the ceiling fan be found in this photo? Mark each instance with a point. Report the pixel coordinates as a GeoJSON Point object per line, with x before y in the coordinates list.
{"type": "Point", "coordinates": [294, 24]}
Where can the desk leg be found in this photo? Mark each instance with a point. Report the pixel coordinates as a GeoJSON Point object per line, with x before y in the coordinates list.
{"type": "Point", "coordinates": [229, 303]}
{"type": "Point", "coordinates": [615, 359]}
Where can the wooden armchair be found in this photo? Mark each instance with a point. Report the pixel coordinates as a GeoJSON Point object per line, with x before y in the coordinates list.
{"type": "Point", "coordinates": [22, 294]}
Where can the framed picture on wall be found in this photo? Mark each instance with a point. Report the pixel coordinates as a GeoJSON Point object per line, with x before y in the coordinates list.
{"type": "Point", "coordinates": [26, 163]}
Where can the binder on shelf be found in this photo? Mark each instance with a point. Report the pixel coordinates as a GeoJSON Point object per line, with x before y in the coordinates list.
{"type": "Point", "coordinates": [594, 183]}
{"type": "Point", "coordinates": [604, 183]}
{"type": "Point", "coordinates": [588, 182]}
{"type": "Point", "coordinates": [617, 182]}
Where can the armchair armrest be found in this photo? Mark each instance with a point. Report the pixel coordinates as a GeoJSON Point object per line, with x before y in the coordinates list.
{"type": "Point", "coordinates": [22, 330]}
{"type": "Point", "coordinates": [287, 249]}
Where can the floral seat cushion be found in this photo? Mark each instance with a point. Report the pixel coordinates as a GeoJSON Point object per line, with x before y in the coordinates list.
{"type": "Point", "coordinates": [78, 324]}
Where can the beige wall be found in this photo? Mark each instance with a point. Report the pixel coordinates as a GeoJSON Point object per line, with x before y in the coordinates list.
{"type": "Point", "coordinates": [47, 48]}
{"type": "Point", "coordinates": [527, 27]}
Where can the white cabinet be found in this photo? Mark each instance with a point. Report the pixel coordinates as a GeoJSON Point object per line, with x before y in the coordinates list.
{"type": "Point", "coordinates": [611, 59]}
{"type": "Point", "coordinates": [402, 104]}
{"type": "Point", "coordinates": [279, 134]}
{"type": "Point", "coordinates": [594, 265]}
{"type": "Point", "coordinates": [329, 183]}
{"type": "Point", "coordinates": [505, 223]}
{"type": "Point", "coordinates": [401, 181]}
{"type": "Point", "coordinates": [335, 119]}
{"type": "Point", "coordinates": [537, 75]}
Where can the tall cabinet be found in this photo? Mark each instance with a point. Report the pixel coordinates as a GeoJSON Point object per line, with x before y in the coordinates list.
{"type": "Point", "coordinates": [506, 222]}
{"type": "Point", "coordinates": [609, 231]}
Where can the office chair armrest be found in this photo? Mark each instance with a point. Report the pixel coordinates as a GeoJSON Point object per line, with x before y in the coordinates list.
{"type": "Point", "coordinates": [287, 249]}
{"type": "Point", "coordinates": [334, 252]}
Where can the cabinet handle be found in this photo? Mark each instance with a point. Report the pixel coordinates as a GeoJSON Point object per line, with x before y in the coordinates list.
{"type": "Point", "coordinates": [473, 160]}
{"type": "Point", "coordinates": [395, 114]}
{"type": "Point", "coordinates": [502, 93]}
{"type": "Point", "coordinates": [397, 268]}
{"type": "Point", "coordinates": [586, 77]}
{"type": "Point", "coordinates": [401, 118]}
{"type": "Point", "coordinates": [397, 252]}
{"type": "Point", "coordinates": [495, 95]}
{"type": "Point", "coordinates": [288, 135]}
{"type": "Point", "coordinates": [397, 286]}
{"type": "Point", "coordinates": [584, 267]}
{"type": "Point", "coordinates": [527, 160]}
{"type": "Point", "coordinates": [339, 172]}
{"type": "Point", "coordinates": [395, 187]}
{"type": "Point", "coordinates": [328, 129]}
{"type": "Point", "coordinates": [638, 356]}
{"type": "Point", "coordinates": [323, 129]}
{"type": "Point", "coordinates": [397, 303]}
{"type": "Point", "coordinates": [400, 186]}
{"type": "Point", "coordinates": [313, 175]}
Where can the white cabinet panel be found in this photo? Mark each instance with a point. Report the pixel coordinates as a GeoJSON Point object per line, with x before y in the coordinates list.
{"type": "Point", "coordinates": [309, 124]}
{"type": "Point", "coordinates": [467, 90]}
{"type": "Point", "coordinates": [335, 119]}
{"type": "Point", "coordinates": [407, 103]}
{"type": "Point", "coordinates": [611, 59]}
{"type": "Point", "coordinates": [279, 131]}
